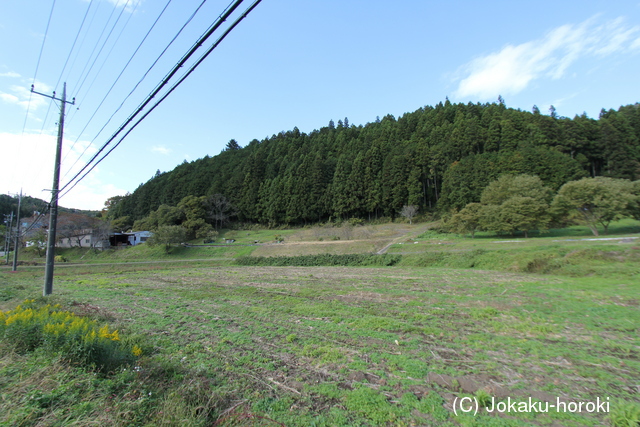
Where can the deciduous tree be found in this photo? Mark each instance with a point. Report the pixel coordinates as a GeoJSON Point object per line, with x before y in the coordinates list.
{"type": "Point", "coordinates": [595, 201]}
{"type": "Point", "coordinates": [409, 212]}
{"type": "Point", "coordinates": [467, 220]}
{"type": "Point", "coordinates": [515, 203]}
{"type": "Point", "coordinates": [219, 210]}
{"type": "Point", "coordinates": [168, 235]}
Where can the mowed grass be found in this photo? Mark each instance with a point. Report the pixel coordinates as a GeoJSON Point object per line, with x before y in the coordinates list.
{"type": "Point", "coordinates": [573, 251]}
{"type": "Point", "coordinates": [364, 346]}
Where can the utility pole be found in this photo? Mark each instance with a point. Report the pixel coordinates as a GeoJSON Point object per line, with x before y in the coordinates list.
{"type": "Point", "coordinates": [16, 245]}
{"type": "Point", "coordinates": [8, 238]}
{"type": "Point", "coordinates": [53, 207]}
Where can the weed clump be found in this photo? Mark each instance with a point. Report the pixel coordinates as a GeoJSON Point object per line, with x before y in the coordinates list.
{"type": "Point", "coordinates": [625, 414]}
{"type": "Point", "coordinates": [321, 260]}
{"type": "Point", "coordinates": [79, 340]}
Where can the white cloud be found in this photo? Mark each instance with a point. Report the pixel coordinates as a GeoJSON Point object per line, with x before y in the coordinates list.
{"type": "Point", "coordinates": [512, 69]}
{"type": "Point", "coordinates": [161, 149]}
{"type": "Point", "coordinates": [90, 193]}
{"type": "Point", "coordinates": [9, 99]}
{"type": "Point", "coordinates": [32, 170]}
{"type": "Point", "coordinates": [10, 74]}
{"type": "Point", "coordinates": [22, 96]}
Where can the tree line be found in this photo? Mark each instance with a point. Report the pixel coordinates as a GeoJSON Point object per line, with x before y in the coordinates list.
{"type": "Point", "coordinates": [439, 159]}
{"type": "Point", "coordinates": [523, 203]}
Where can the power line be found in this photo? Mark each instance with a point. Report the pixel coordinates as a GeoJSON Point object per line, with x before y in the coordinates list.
{"type": "Point", "coordinates": [119, 75]}
{"type": "Point", "coordinates": [159, 87]}
{"type": "Point", "coordinates": [151, 67]}
{"type": "Point", "coordinates": [106, 24]}
{"type": "Point", "coordinates": [136, 85]}
{"type": "Point", "coordinates": [115, 43]}
{"type": "Point", "coordinates": [84, 38]}
{"type": "Point", "coordinates": [102, 47]}
{"type": "Point", "coordinates": [44, 122]}
{"type": "Point", "coordinates": [114, 83]}
{"type": "Point", "coordinates": [35, 74]}
{"type": "Point", "coordinates": [74, 42]}
{"type": "Point", "coordinates": [193, 67]}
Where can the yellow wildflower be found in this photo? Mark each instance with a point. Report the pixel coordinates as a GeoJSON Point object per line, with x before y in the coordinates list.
{"type": "Point", "coordinates": [104, 332]}
{"type": "Point", "coordinates": [137, 351]}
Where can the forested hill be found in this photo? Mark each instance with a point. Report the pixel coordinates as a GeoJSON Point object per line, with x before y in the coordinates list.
{"type": "Point", "coordinates": [29, 205]}
{"type": "Point", "coordinates": [436, 157]}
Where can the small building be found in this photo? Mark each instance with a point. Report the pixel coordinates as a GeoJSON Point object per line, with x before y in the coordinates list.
{"type": "Point", "coordinates": [129, 239]}
{"type": "Point", "coordinates": [83, 239]}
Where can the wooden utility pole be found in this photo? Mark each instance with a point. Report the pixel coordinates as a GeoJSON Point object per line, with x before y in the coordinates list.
{"type": "Point", "coordinates": [16, 244]}
{"type": "Point", "coordinates": [8, 238]}
{"type": "Point", "coordinates": [53, 207]}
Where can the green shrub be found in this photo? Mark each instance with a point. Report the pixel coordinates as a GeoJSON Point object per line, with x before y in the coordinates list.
{"type": "Point", "coordinates": [77, 339]}
{"type": "Point", "coordinates": [348, 260]}
{"type": "Point", "coordinates": [372, 405]}
{"type": "Point", "coordinates": [483, 397]}
{"type": "Point", "coordinates": [625, 414]}
{"type": "Point", "coordinates": [356, 221]}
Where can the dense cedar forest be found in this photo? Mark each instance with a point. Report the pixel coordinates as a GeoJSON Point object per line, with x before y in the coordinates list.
{"type": "Point", "coordinates": [438, 158]}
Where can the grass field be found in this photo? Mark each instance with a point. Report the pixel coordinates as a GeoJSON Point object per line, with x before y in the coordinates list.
{"type": "Point", "coordinates": [340, 346]}
{"type": "Point", "coordinates": [347, 346]}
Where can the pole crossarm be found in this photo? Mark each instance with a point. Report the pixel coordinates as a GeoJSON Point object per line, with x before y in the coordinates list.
{"type": "Point", "coordinates": [72, 102]}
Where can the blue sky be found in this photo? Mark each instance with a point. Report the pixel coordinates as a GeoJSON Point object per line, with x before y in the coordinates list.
{"type": "Point", "coordinates": [289, 63]}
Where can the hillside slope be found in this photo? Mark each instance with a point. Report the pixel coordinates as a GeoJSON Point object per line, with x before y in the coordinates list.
{"type": "Point", "coordinates": [436, 158]}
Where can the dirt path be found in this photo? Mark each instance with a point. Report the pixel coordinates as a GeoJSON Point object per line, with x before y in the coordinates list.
{"type": "Point", "coordinates": [413, 234]}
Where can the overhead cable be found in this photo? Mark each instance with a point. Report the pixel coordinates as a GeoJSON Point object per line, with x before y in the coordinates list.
{"type": "Point", "coordinates": [192, 68]}
{"type": "Point", "coordinates": [162, 84]}
{"type": "Point", "coordinates": [78, 85]}
{"type": "Point", "coordinates": [150, 68]}
{"type": "Point", "coordinates": [106, 58]}
{"type": "Point", "coordinates": [35, 74]}
{"type": "Point", "coordinates": [135, 87]}
{"type": "Point", "coordinates": [74, 42]}
{"type": "Point", "coordinates": [119, 75]}
{"type": "Point", "coordinates": [114, 83]}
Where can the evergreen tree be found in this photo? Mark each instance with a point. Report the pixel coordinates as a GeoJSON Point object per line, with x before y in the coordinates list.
{"type": "Point", "coordinates": [435, 157]}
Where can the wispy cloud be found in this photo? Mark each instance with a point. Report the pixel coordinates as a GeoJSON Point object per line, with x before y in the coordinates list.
{"type": "Point", "coordinates": [514, 68]}
{"type": "Point", "coordinates": [129, 5]}
{"type": "Point", "coordinates": [9, 74]}
{"type": "Point", "coordinates": [21, 96]}
{"type": "Point", "coordinates": [9, 99]}
{"type": "Point", "coordinates": [161, 149]}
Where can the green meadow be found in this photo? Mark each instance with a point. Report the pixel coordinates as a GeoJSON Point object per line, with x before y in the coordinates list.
{"type": "Point", "coordinates": [552, 318]}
